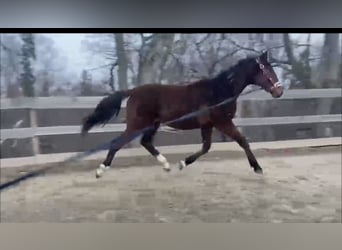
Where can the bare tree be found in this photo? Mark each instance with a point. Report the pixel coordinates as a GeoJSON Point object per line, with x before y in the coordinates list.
{"type": "Point", "coordinates": [300, 67]}
{"type": "Point", "coordinates": [201, 55]}
{"type": "Point", "coordinates": [175, 67]}
{"type": "Point", "coordinates": [103, 46]}
{"type": "Point", "coordinates": [10, 46]}
{"type": "Point", "coordinates": [153, 54]}
{"type": "Point", "coordinates": [113, 49]}
{"type": "Point", "coordinates": [170, 58]}
{"type": "Point", "coordinates": [85, 84]}
{"type": "Point", "coordinates": [298, 63]}
{"type": "Point", "coordinates": [122, 61]}
{"type": "Point", "coordinates": [330, 63]}
{"type": "Point", "coordinates": [48, 64]}
{"type": "Point", "coordinates": [111, 76]}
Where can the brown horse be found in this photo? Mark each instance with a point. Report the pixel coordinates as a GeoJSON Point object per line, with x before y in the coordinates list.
{"type": "Point", "coordinates": [153, 104]}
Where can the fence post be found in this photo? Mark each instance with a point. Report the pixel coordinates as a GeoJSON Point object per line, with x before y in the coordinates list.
{"type": "Point", "coordinates": [33, 124]}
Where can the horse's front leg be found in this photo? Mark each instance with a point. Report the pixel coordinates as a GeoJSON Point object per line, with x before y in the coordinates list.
{"type": "Point", "coordinates": [206, 139]}
{"type": "Point", "coordinates": [229, 129]}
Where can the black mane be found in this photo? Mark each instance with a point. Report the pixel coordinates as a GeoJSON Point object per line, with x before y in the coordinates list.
{"type": "Point", "coordinates": [236, 68]}
{"type": "Point", "coordinates": [230, 82]}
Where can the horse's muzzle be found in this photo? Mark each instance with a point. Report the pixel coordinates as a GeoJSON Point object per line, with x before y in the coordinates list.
{"type": "Point", "coordinates": [277, 90]}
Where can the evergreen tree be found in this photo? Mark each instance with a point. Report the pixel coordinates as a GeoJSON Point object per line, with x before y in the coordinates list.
{"type": "Point", "coordinates": [28, 54]}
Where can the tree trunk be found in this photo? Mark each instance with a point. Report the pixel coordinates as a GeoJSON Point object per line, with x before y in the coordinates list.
{"type": "Point", "coordinates": [328, 69]}
{"type": "Point", "coordinates": [122, 60]}
{"type": "Point", "coordinates": [153, 56]}
{"type": "Point", "coordinates": [298, 67]}
{"type": "Point", "coordinates": [45, 91]}
{"type": "Point", "coordinates": [328, 75]}
{"type": "Point", "coordinates": [288, 48]}
{"type": "Point", "coordinates": [9, 71]}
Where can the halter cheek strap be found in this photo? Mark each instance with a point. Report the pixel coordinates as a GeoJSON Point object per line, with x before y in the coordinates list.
{"type": "Point", "coordinates": [262, 67]}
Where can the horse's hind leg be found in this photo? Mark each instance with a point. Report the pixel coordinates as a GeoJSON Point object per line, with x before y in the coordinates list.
{"type": "Point", "coordinates": [106, 163]}
{"type": "Point", "coordinates": [206, 139]}
{"type": "Point", "coordinates": [110, 155]}
{"type": "Point", "coordinates": [147, 143]}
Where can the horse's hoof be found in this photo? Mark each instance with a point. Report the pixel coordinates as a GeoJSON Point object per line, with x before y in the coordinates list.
{"type": "Point", "coordinates": [182, 165]}
{"type": "Point", "coordinates": [167, 169]}
{"type": "Point", "coordinates": [98, 173]}
{"type": "Point", "coordinates": [258, 170]}
{"type": "Point", "coordinates": [100, 170]}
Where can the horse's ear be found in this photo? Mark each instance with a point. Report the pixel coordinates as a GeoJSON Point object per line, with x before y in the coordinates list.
{"type": "Point", "coordinates": [264, 57]}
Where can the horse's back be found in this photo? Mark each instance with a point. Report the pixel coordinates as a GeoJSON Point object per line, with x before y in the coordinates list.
{"type": "Point", "coordinates": [162, 103]}
{"type": "Point", "coordinates": [156, 101]}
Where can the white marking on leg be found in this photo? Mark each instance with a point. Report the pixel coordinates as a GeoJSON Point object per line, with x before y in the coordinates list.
{"type": "Point", "coordinates": [163, 161]}
{"type": "Point", "coordinates": [182, 165]}
{"type": "Point", "coordinates": [101, 169]}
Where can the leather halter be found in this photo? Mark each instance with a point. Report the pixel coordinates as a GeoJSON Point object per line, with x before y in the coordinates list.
{"type": "Point", "coordinates": [262, 67]}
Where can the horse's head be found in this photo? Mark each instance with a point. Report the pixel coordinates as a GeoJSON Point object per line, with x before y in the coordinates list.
{"type": "Point", "coordinates": [265, 76]}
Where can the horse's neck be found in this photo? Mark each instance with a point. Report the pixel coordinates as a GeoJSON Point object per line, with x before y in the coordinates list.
{"type": "Point", "coordinates": [239, 88]}
{"type": "Point", "coordinates": [235, 87]}
{"type": "Point", "coordinates": [239, 83]}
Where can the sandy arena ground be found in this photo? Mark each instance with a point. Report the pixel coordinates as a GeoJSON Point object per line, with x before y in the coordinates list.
{"type": "Point", "coordinates": [302, 185]}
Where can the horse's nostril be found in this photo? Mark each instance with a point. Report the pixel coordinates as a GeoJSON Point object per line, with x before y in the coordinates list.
{"type": "Point", "coordinates": [280, 93]}
{"type": "Point", "coordinates": [277, 91]}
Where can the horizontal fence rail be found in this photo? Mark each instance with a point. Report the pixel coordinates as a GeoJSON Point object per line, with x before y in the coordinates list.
{"type": "Point", "coordinates": [18, 133]}
{"type": "Point", "coordinates": [47, 125]}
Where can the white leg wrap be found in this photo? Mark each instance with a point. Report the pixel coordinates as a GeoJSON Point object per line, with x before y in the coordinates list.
{"type": "Point", "coordinates": [100, 170]}
{"type": "Point", "coordinates": [182, 164]}
{"type": "Point", "coordinates": [163, 161]}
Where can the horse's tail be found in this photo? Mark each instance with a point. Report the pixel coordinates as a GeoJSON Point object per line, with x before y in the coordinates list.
{"type": "Point", "coordinates": [107, 108]}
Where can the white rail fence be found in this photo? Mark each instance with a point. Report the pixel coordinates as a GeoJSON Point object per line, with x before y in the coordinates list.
{"type": "Point", "coordinates": [35, 104]}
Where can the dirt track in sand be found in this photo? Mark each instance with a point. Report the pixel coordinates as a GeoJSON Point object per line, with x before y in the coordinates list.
{"type": "Point", "coordinates": [299, 186]}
